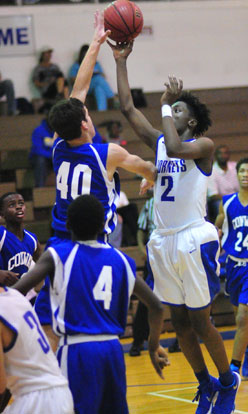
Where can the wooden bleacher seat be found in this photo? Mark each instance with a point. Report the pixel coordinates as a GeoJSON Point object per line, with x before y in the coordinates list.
{"type": "Point", "coordinates": [24, 178]}
{"type": "Point", "coordinates": [43, 197]}
{"type": "Point", "coordinates": [7, 187]}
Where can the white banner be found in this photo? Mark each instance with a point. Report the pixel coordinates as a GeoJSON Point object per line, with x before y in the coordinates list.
{"type": "Point", "coordinates": [16, 35]}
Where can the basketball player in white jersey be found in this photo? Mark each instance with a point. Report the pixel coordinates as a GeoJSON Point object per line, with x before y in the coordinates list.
{"type": "Point", "coordinates": [28, 366]}
{"type": "Point", "coordinates": [183, 250]}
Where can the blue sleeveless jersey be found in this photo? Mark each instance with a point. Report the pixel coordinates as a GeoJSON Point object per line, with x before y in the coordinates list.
{"type": "Point", "coordinates": [16, 255]}
{"type": "Point", "coordinates": [235, 227]}
{"type": "Point", "coordinates": [91, 288]}
{"type": "Point", "coordinates": [82, 170]}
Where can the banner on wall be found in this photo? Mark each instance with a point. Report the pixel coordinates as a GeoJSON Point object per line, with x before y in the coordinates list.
{"type": "Point", "coordinates": [16, 35]}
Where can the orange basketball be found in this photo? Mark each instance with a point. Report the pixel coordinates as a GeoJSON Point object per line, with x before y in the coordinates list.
{"type": "Point", "coordinates": [125, 20]}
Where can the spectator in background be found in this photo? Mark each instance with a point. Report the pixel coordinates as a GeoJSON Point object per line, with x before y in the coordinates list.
{"type": "Point", "coordinates": [49, 79]}
{"type": "Point", "coordinates": [7, 89]}
{"type": "Point", "coordinates": [99, 87]}
{"type": "Point", "coordinates": [223, 180]}
{"type": "Point", "coordinates": [41, 152]}
{"type": "Point", "coordinates": [114, 130]}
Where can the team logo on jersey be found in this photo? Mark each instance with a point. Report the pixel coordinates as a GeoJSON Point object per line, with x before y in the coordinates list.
{"type": "Point", "coordinates": [171, 166]}
{"type": "Point", "coordinates": [22, 258]}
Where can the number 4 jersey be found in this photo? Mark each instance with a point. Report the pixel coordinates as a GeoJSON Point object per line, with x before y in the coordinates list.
{"type": "Point", "coordinates": [235, 227]}
{"type": "Point", "coordinates": [91, 288]}
{"type": "Point", "coordinates": [29, 362]}
{"type": "Point", "coordinates": [180, 191]}
{"type": "Point", "coordinates": [82, 170]}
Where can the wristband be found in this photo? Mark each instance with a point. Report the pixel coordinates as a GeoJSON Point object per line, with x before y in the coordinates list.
{"type": "Point", "coordinates": [166, 110]}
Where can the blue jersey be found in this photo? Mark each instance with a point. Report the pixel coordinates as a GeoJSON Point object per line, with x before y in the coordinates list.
{"type": "Point", "coordinates": [235, 227]}
{"type": "Point", "coordinates": [82, 170]}
{"type": "Point", "coordinates": [91, 288]}
{"type": "Point", "coordinates": [16, 255]}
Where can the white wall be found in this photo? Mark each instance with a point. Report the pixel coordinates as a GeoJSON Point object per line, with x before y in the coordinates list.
{"type": "Point", "coordinates": [205, 43]}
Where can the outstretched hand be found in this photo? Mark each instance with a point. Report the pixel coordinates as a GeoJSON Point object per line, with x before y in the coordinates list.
{"type": "Point", "coordinates": [121, 50]}
{"type": "Point", "coordinates": [159, 360]}
{"type": "Point", "coordinates": [100, 35]}
{"type": "Point", "coordinates": [172, 92]}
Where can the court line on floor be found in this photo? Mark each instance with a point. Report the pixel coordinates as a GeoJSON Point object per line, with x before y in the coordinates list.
{"type": "Point", "coordinates": [170, 397]}
{"type": "Point", "coordinates": [163, 384]}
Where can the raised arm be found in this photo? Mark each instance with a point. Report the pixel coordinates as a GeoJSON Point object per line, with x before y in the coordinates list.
{"type": "Point", "coordinates": [119, 157]}
{"type": "Point", "coordinates": [140, 124]}
{"type": "Point", "coordinates": [84, 75]}
{"type": "Point", "coordinates": [202, 148]}
{"type": "Point", "coordinates": [158, 355]}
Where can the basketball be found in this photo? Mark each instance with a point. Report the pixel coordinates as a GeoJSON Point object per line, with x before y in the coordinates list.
{"type": "Point", "coordinates": [125, 20]}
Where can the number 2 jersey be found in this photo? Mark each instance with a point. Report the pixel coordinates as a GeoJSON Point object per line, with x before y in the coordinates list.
{"type": "Point", "coordinates": [91, 288]}
{"type": "Point", "coordinates": [180, 191]}
{"type": "Point", "coordinates": [235, 227]}
{"type": "Point", "coordinates": [29, 362]}
{"type": "Point", "coordinates": [82, 170]}
{"type": "Point", "coordinates": [16, 255]}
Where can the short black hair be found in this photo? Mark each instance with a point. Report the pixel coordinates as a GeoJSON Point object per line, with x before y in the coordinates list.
{"type": "Point", "coordinates": [240, 162]}
{"type": "Point", "coordinates": [199, 111]}
{"type": "Point", "coordinates": [2, 198]}
{"type": "Point", "coordinates": [85, 217]}
{"type": "Point", "coordinates": [66, 117]}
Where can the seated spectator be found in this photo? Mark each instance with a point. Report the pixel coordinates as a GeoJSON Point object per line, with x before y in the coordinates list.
{"type": "Point", "coordinates": [223, 180]}
{"type": "Point", "coordinates": [99, 87]}
{"type": "Point", "coordinates": [49, 79]}
{"type": "Point", "coordinates": [113, 132]}
{"type": "Point", "coordinates": [41, 152]}
{"type": "Point", "coordinates": [7, 89]}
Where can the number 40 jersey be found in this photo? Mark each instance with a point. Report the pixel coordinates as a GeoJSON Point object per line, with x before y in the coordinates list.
{"type": "Point", "coordinates": [82, 170]}
{"type": "Point", "coordinates": [235, 227]}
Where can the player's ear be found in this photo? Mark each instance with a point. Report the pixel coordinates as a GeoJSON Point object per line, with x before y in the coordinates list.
{"type": "Point", "coordinates": [84, 125]}
{"type": "Point", "coordinates": [192, 123]}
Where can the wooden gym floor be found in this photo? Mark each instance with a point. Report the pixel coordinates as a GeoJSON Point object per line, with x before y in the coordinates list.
{"type": "Point", "coordinates": [148, 394]}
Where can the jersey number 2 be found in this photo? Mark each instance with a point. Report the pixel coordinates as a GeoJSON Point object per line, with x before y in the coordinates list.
{"type": "Point", "coordinates": [169, 187]}
{"type": "Point", "coordinates": [103, 287]}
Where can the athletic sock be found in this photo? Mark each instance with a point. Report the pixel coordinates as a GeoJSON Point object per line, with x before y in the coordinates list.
{"type": "Point", "coordinates": [203, 377]}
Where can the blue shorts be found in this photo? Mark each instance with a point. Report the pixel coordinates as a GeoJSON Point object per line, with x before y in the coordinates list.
{"type": "Point", "coordinates": [97, 376]}
{"type": "Point", "coordinates": [237, 281]}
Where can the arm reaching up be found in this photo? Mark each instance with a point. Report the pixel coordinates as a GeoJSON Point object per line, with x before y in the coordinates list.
{"type": "Point", "coordinates": [84, 75]}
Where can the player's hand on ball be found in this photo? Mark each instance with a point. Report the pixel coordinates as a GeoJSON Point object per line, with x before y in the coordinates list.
{"type": "Point", "coordinates": [159, 359]}
{"type": "Point", "coordinates": [121, 50]}
{"type": "Point", "coordinates": [172, 92]}
{"type": "Point", "coordinates": [100, 35]}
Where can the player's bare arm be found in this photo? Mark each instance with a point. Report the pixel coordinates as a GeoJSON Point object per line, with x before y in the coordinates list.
{"type": "Point", "coordinates": [44, 267]}
{"type": "Point", "coordinates": [84, 75]}
{"type": "Point", "coordinates": [202, 149]}
{"type": "Point", "coordinates": [157, 353]}
{"type": "Point", "coordinates": [140, 124]}
{"type": "Point", "coordinates": [119, 157]}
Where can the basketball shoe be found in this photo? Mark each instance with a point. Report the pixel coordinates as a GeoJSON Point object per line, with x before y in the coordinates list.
{"type": "Point", "coordinates": [234, 368]}
{"type": "Point", "coordinates": [224, 401]}
{"type": "Point", "coordinates": [245, 366]}
{"type": "Point", "coordinates": [205, 396]}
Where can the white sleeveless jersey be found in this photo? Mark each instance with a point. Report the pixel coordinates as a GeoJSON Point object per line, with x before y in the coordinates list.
{"type": "Point", "coordinates": [30, 363]}
{"type": "Point", "coordinates": [180, 191]}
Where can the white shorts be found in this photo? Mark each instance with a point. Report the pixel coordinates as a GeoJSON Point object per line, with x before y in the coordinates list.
{"type": "Point", "coordinates": [54, 400]}
{"type": "Point", "coordinates": [185, 265]}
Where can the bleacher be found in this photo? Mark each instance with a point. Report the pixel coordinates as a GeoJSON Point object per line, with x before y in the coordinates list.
{"type": "Point", "coordinates": [229, 112]}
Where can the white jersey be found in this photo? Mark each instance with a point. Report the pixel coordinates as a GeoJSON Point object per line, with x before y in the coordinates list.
{"type": "Point", "coordinates": [180, 191]}
{"type": "Point", "coordinates": [30, 363]}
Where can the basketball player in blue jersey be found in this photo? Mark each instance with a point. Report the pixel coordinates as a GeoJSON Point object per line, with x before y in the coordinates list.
{"type": "Point", "coordinates": [18, 247]}
{"type": "Point", "coordinates": [183, 250]}
{"type": "Point", "coordinates": [80, 166]}
{"type": "Point", "coordinates": [28, 366]}
{"type": "Point", "coordinates": [233, 221]}
{"type": "Point", "coordinates": [91, 284]}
